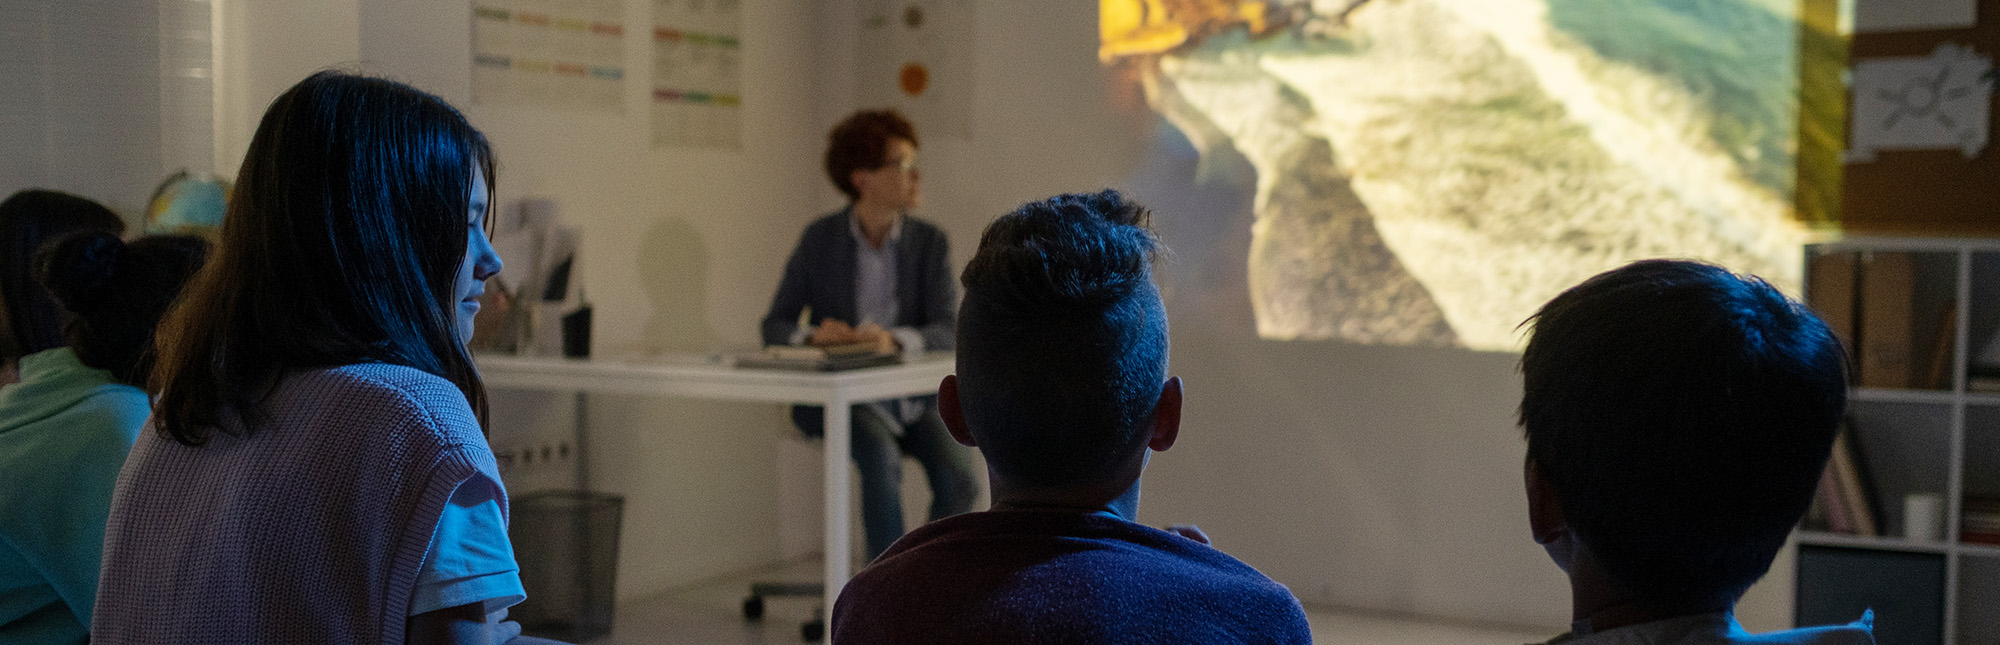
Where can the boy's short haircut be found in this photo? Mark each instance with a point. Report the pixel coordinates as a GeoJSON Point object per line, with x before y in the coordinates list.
{"type": "Point", "coordinates": [861, 142]}
{"type": "Point", "coordinates": [1062, 338]}
{"type": "Point", "coordinates": [1683, 414]}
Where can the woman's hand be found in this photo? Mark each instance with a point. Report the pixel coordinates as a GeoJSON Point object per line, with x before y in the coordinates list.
{"type": "Point", "coordinates": [832, 331]}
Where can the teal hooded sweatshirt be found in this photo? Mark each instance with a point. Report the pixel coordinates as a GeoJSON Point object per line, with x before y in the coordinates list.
{"type": "Point", "coordinates": [64, 432]}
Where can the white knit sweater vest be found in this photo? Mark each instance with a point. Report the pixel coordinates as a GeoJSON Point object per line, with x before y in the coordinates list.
{"type": "Point", "coordinates": [310, 528]}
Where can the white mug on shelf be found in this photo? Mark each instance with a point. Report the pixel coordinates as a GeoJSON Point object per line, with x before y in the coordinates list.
{"type": "Point", "coordinates": [1923, 517]}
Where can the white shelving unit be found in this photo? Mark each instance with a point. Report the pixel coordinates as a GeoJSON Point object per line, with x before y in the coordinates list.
{"type": "Point", "coordinates": [1916, 440]}
{"type": "Point", "coordinates": [1820, 538]}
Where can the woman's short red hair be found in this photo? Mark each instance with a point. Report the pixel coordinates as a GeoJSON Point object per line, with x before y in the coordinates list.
{"type": "Point", "coordinates": [861, 142]}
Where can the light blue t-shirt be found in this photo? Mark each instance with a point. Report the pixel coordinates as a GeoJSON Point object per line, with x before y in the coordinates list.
{"type": "Point", "coordinates": [64, 432]}
{"type": "Point", "coordinates": [470, 559]}
{"type": "Point", "coordinates": [1718, 628]}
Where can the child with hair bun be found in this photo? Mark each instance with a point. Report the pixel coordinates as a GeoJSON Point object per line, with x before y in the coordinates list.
{"type": "Point", "coordinates": [66, 426]}
{"type": "Point", "coordinates": [29, 322]}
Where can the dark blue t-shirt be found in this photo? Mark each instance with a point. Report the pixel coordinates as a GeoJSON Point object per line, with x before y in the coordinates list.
{"type": "Point", "coordinates": [1053, 577]}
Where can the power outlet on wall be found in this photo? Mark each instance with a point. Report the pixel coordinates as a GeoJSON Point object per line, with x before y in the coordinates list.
{"type": "Point", "coordinates": [533, 456]}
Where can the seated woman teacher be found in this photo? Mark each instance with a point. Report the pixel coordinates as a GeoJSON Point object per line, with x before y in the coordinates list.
{"type": "Point", "coordinates": [872, 273]}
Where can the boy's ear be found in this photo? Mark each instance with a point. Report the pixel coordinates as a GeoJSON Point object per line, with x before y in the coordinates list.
{"type": "Point", "coordinates": [954, 416]}
{"type": "Point", "coordinates": [1545, 514]}
{"type": "Point", "coordinates": [1166, 417]}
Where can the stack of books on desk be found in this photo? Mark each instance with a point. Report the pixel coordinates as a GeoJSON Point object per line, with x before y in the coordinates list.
{"type": "Point", "coordinates": [830, 358]}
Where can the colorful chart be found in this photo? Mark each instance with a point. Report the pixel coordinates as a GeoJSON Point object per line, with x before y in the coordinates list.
{"type": "Point", "coordinates": [697, 73]}
{"type": "Point", "coordinates": [537, 53]}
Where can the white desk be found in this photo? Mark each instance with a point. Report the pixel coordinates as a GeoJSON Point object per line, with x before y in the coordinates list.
{"type": "Point", "coordinates": [837, 391]}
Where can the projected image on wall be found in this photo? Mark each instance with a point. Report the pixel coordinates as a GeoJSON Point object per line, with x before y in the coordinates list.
{"type": "Point", "coordinates": [1428, 172]}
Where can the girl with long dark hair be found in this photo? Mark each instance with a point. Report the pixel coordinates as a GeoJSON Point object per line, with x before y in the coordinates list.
{"type": "Point", "coordinates": [320, 471]}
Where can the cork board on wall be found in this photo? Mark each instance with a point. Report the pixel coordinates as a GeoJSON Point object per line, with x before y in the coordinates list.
{"type": "Point", "coordinates": [1936, 191]}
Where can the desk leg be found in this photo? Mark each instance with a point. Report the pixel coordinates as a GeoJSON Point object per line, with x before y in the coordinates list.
{"type": "Point", "coordinates": [580, 440]}
{"type": "Point", "coordinates": [838, 438]}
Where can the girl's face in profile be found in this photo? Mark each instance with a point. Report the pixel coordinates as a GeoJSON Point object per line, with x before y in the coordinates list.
{"type": "Point", "coordinates": [480, 263]}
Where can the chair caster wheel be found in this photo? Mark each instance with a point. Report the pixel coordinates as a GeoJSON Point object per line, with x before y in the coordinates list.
{"type": "Point", "coordinates": [813, 631]}
{"type": "Point", "coordinates": [753, 608]}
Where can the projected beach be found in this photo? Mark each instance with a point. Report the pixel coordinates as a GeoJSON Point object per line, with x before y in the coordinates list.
{"type": "Point", "coordinates": [1428, 172]}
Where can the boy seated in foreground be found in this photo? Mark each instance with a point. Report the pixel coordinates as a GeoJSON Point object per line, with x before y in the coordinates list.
{"type": "Point", "coordinates": [1062, 385]}
{"type": "Point", "coordinates": [1678, 417]}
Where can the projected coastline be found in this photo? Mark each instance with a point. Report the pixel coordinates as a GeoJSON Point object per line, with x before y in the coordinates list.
{"type": "Point", "coordinates": [1428, 172]}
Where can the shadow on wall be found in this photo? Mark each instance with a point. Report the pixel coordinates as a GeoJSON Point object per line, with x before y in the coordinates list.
{"type": "Point", "coordinates": [1372, 476]}
{"type": "Point", "coordinates": [1202, 211]}
{"type": "Point", "coordinates": [673, 274]}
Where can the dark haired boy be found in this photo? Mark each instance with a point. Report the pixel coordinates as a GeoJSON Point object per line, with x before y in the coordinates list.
{"type": "Point", "coordinates": [872, 273]}
{"type": "Point", "coordinates": [1062, 384]}
{"type": "Point", "coordinates": [1678, 417]}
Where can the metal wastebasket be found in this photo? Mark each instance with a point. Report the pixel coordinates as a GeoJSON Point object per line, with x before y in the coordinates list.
{"type": "Point", "coordinates": [566, 542]}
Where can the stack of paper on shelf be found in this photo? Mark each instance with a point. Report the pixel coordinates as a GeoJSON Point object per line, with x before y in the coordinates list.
{"type": "Point", "coordinates": [1980, 523]}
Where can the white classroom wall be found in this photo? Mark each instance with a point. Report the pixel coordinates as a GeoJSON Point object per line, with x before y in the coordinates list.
{"type": "Point", "coordinates": [1369, 477]}
{"type": "Point", "coordinates": [1379, 478]}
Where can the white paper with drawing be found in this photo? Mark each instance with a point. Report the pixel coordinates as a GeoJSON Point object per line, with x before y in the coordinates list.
{"type": "Point", "coordinates": [1941, 101]}
{"type": "Point", "coordinates": [916, 56]}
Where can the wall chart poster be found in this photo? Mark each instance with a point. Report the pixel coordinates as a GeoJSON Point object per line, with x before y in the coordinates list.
{"type": "Point", "coordinates": [559, 54]}
{"type": "Point", "coordinates": [916, 57]}
{"type": "Point", "coordinates": [697, 73]}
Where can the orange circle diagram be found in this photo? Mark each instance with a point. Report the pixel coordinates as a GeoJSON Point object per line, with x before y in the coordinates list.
{"type": "Point", "coordinates": [914, 79]}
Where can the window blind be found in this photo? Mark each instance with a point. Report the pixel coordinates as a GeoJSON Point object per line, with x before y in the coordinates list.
{"type": "Point", "coordinates": [104, 98]}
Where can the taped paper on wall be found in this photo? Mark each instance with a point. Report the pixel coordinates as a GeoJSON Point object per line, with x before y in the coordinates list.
{"type": "Point", "coordinates": [1941, 101]}
{"type": "Point", "coordinates": [697, 73]}
{"type": "Point", "coordinates": [916, 57]}
{"type": "Point", "coordinates": [535, 53]}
